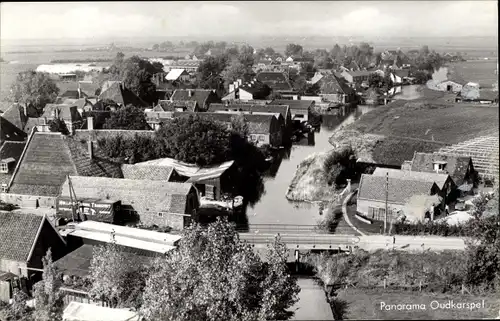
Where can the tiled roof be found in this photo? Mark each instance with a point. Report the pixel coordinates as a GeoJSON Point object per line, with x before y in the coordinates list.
{"type": "Point", "coordinates": [18, 233]}
{"type": "Point", "coordinates": [400, 190]}
{"type": "Point", "coordinates": [122, 95]}
{"type": "Point", "coordinates": [10, 150]}
{"type": "Point", "coordinates": [167, 105]}
{"type": "Point", "coordinates": [174, 74]}
{"type": "Point", "coordinates": [151, 172]}
{"type": "Point", "coordinates": [456, 166]}
{"type": "Point", "coordinates": [65, 112]}
{"type": "Point", "coordinates": [50, 157]}
{"type": "Point", "coordinates": [403, 73]}
{"type": "Point", "coordinates": [79, 103]}
{"type": "Point", "coordinates": [257, 124]}
{"type": "Point", "coordinates": [15, 115]}
{"type": "Point", "coordinates": [30, 124]}
{"type": "Point", "coordinates": [198, 95]}
{"type": "Point", "coordinates": [10, 132]}
{"type": "Point", "coordinates": [284, 110]}
{"type": "Point", "coordinates": [143, 195]}
{"type": "Point", "coordinates": [294, 104]}
{"type": "Point", "coordinates": [359, 73]}
{"type": "Point", "coordinates": [330, 84]}
{"type": "Point", "coordinates": [439, 179]}
{"type": "Point", "coordinates": [275, 80]}
{"type": "Point", "coordinates": [97, 134]}
{"type": "Point", "coordinates": [73, 94]}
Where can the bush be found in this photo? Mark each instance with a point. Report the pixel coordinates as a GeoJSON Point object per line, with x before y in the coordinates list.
{"type": "Point", "coordinates": [340, 165]}
{"type": "Point", "coordinates": [431, 228]}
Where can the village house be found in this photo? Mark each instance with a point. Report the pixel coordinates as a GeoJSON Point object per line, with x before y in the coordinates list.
{"type": "Point", "coordinates": [149, 202]}
{"type": "Point", "coordinates": [278, 82]}
{"type": "Point", "coordinates": [251, 90]}
{"type": "Point", "coordinates": [121, 95]}
{"type": "Point", "coordinates": [164, 110]}
{"type": "Point", "coordinates": [300, 109]}
{"type": "Point", "coordinates": [250, 107]}
{"type": "Point", "coordinates": [204, 97]}
{"type": "Point", "coordinates": [67, 113]}
{"type": "Point", "coordinates": [210, 181]}
{"type": "Point", "coordinates": [263, 129]}
{"type": "Point", "coordinates": [336, 90]}
{"type": "Point", "coordinates": [10, 153]}
{"type": "Point", "coordinates": [177, 75]}
{"type": "Point", "coordinates": [471, 92]}
{"type": "Point", "coordinates": [443, 181]}
{"type": "Point", "coordinates": [26, 238]}
{"type": "Point", "coordinates": [191, 66]}
{"type": "Point", "coordinates": [371, 199]}
{"type": "Point", "coordinates": [9, 131]}
{"type": "Point", "coordinates": [356, 77]}
{"type": "Point", "coordinates": [46, 161]}
{"type": "Point", "coordinates": [460, 168]}
{"type": "Point", "coordinates": [454, 83]}
{"type": "Point", "coordinates": [83, 105]}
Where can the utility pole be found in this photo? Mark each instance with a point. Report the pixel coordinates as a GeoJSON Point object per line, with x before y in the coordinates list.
{"type": "Point", "coordinates": [386, 201]}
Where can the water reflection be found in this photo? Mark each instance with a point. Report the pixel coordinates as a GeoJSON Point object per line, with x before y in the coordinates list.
{"type": "Point", "coordinates": [273, 207]}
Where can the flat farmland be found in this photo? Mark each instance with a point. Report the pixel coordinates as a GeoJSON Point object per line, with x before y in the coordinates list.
{"type": "Point", "coordinates": [479, 71]}
{"type": "Point", "coordinates": [430, 121]}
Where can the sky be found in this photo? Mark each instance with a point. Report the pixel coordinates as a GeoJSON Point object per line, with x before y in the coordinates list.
{"type": "Point", "coordinates": [64, 20]}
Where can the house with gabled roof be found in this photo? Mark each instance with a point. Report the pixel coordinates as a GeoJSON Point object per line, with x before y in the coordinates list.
{"type": "Point", "coordinates": [263, 128]}
{"type": "Point", "coordinates": [277, 81]}
{"type": "Point", "coordinates": [334, 89]}
{"type": "Point", "coordinates": [460, 168]}
{"type": "Point", "coordinates": [46, 161]}
{"type": "Point", "coordinates": [150, 202]}
{"type": "Point", "coordinates": [67, 113]}
{"type": "Point", "coordinates": [300, 109]}
{"type": "Point", "coordinates": [26, 238]}
{"type": "Point", "coordinates": [121, 95]}
{"type": "Point", "coordinates": [356, 77]}
{"type": "Point", "coordinates": [250, 108]}
{"type": "Point", "coordinates": [377, 191]}
{"type": "Point", "coordinates": [177, 75]}
{"type": "Point", "coordinates": [245, 91]}
{"type": "Point", "coordinates": [204, 97]}
{"type": "Point", "coordinates": [16, 115]}
{"type": "Point", "coordinates": [10, 153]}
{"type": "Point", "coordinates": [10, 132]}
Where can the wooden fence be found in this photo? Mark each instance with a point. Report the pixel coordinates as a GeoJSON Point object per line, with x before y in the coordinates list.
{"type": "Point", "coordinates": [80, 296]}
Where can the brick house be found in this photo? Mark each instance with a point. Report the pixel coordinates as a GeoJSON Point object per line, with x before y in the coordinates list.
{"type": "Point", "coordinates": [334, 89]}
{"type": "Point", "coordinates": [204, 97]}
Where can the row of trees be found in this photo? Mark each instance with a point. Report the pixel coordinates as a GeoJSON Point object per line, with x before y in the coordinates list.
{"type": "Point", "coordinates": [211, 275]}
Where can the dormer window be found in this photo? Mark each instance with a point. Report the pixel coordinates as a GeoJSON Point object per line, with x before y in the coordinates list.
{"type": "Point", "coordinates": [439, 166]}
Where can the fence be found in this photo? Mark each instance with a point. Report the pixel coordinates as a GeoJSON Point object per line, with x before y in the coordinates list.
{"type": "Point", "coordinates": [79, 296]}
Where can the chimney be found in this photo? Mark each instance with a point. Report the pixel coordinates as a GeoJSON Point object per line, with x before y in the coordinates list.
{"type": "Point", "coordinates": [237, 83]}
{"type": "Point", "coordinates": [91, 149]}
{"type": "Point", "coordinates": [90, 123]}
{"type": "Point", "coordinates": [79, 91]}
{"type": "Point", "coordinates": [240, 82]}
{"type": "Point", "coordinates": [190, 93]}
{"type": "Point", "coordinates": [231, 88]}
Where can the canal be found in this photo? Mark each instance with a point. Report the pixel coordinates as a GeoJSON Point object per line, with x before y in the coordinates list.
{"type": "Point", "coordinates": [273, 207]}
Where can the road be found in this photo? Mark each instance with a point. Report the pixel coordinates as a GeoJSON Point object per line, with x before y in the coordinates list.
{"type": "Point", "coordinates": [312, 303]}
{"type": "Point", "coordinates": [316, 241]}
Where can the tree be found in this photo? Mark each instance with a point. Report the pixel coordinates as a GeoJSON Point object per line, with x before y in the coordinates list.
{"type": "Point", "coordinates": [269, 51]}
{"type": "Point", "coordinates": [212, 275]}
{"type": "Point", "coordinates": [156, 47]}
{"type": "Point", "coordinates": [209, 71]}
{"type": "Point", "coordinates": [237, 70]}
{"type": "Point", "coordinates": [195, 140]}
{"type": "Point", "coordinates": [33, 88]}
{"type": "Point", "coordinates": [293, 50]}
{"type": "Point", "coordinates": [239, 125]}
{"type": "Point", "coordinates": [58, 125]}
{"type": "Point", "coordinates": [48, 298]}
{"type": "Point", "coordinates": [129, 118]}
{"type": "Point", "coordinates": [19, 309]}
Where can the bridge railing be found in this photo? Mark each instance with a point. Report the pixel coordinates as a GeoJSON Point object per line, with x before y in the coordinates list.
{"type": "Point", "coordinates": [314, 240]}
{"type": "Point", "coordinates": [281, 228]}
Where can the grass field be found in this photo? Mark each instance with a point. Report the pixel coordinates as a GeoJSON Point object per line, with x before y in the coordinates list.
{"type": "Point", "coordinates": [363, 304]}
{"type": "Point", "coordinates": [479, 71]}
{"type": "Point", "coordinates": [434, 120]}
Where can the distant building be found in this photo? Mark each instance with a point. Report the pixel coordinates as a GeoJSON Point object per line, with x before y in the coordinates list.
{"type": "Point", "coordinates": [204, 97]}
{"type": "Point", "coordinates": [356, 77]}
{"type": "Point", "coordinates": [177, 75]}
{"type": "Point", "coordinates": [121, 95]}
{"type": "Point", "coordinates": [300, 109]}
{"type": "Point", "coordinates": [67, 113]}
{"type": "Point", "coordinates": [277, 81]}
{"type": "Point", "coordinates": [334, 89]}
{"type": "Point", "coordinates": [245, 91]}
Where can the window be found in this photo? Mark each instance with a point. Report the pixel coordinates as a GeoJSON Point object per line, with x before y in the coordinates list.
{"type": "Point", "coordinates": [160, 214]}
{"type": "Point", "coordinates": [4, 188]}
{"type": "Point", "coordinates": [4, 168]}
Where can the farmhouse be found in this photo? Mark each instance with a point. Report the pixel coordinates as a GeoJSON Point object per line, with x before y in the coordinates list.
{"type": "Point", "coordinates": [26, 239]}
{"type": "Point", "coordinates": [371, 199]}
{"type": "Point", "coordinates": [150, 202]}
{"type": "Point", "coordinates": [250, 108]}
{"type": "Point", "coordinates": [48, 158]}
{"type": "Point", "coordinates": [210, 181]}
{"type": "Point", "coordinates": [277, 81]}
{"type": "Point", "coordinates": [460, 168]}
{"type": "Point", "coordinates": [252, 90]}
{"type": "Point", "coordinates": [203, 97]}
{"type": "Point", "coordinates": [300, 109]}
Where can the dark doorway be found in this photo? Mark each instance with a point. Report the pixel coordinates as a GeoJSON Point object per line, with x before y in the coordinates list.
{"type": "Point", "coordinates": [449, 87]}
